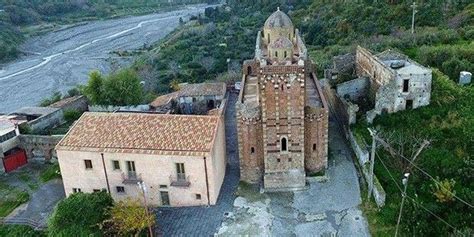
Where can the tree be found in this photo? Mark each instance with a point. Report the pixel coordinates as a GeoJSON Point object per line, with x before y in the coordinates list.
{"type": "Point", "coordinates": [80, 214]}
{"type": "Point", "coordinates": [129, 217]}
{"type": "Point", "coordinates": [123, 88]}
{"type": "Point", "coordinates": [95, 88]}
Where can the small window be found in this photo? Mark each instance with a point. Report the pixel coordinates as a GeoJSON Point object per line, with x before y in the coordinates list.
{"type": "Point", "coordinates": [198, 196]}
{"type": "Point", "coordinates": [314, 146]}
{"type": "Point", "coordinates": [405, 85]}
{"type": "Point", "coordinates": [76, 190]}
{"type": "Point", "coordinates": [285, 54]}
{"type": "Point", "coordinates": [282, 87]}
{"type": "Point", "coordinates": [276, 53]}
{"type": "Point", "coordinates": [284, 145]}
{"type": "Point", "coordinates": [116, 164]}
{"type": "Point", "coordinates": [120, 189]}
{"type": "Point", "coordinates": [88, 164]}
{"type": "Point", "coordinates": [95, 190]}
{"type": "Point", "coordinates": [268, 36]}
{"type": "Point", "coordinates": [289, 159]}
{"type": "Point", "coordinates": [252, 150]}
{"type": "Point", "coordinates": [278, 160]}
{"type": "Point", "coordinates": [163, 186]}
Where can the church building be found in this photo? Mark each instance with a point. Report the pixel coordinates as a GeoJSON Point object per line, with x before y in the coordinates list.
{"type": "Point", "coordinates": [282, 115]}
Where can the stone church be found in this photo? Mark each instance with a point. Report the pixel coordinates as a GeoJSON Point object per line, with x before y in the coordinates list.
{"type": "Point", "coordinates": [282, 115]}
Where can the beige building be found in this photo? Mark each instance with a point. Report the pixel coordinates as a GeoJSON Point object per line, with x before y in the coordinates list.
{"type": "Point", "coordinates": [179, 158]}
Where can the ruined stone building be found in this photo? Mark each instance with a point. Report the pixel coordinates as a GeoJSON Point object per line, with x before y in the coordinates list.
{"type": "Point", "coordinates": [282, 115]}
{"type": "Point", "coordinates": [388, 81]}
{"type": "Point", "coordinates": [398, 82]}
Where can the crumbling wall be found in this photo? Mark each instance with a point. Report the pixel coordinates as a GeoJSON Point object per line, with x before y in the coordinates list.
{"type": "Point", "coordinates": [46, 144]}
{"type": "Point", "coordinates": [354, 90]}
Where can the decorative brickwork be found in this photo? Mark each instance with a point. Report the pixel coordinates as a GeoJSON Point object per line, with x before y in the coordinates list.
{"type": "Point", "coordinates": [282, 115]}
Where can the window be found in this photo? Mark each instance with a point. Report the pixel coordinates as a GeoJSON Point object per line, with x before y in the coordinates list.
{"type": "Point", "coordinates": [278, 160]}
{"type": "Point", "coordinates": [181, 174]}
{"type": "Point", "coordinates": [120, 189]}
{"type": "Point", "coordinates": [282, 87]}
{"type": "Point", "coordinates": [76, 190]}
{"type": "Point", "coordinates": [268, 36]}
{"type": "Point", "coordinates": [116, 164]}
{"type": "Point", "coordinates": [289, 159]}
{"type": "Point", "coordinates": [95, 190]}
{"type": "Point", "coordinates": [284, 145]}
{"type": "Point", "coordinates": [276, 54]}
{"type": "Point", "coordinates": [163, 186]}
{"type": "Point", "coordinates": [285, 54]}
{"type": "Point", "coordinates": [252, 150]}
{"type": "Point", "coordinates": [88, 164]}
{"type": "Point", "coordinates": [405, 85]}
{"type": "Point", "coordinates": [198, 196]}
{"type": "Point", "coordinates": [314, 146]}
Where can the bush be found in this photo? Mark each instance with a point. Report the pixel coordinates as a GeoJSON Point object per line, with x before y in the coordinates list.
{"type": "Point", "coordinates": [20, 231]}
{"type": "Point", "coordinates": [71, 115]}
{"type": "Point", "coordinates": [80, 214]}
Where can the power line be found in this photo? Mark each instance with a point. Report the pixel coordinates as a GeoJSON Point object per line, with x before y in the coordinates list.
{"type": "Point", "coordinates": [412, 199]}
{"type": "Point", "coordinates": [437, 182]}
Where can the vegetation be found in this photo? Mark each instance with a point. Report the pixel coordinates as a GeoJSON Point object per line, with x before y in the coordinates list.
{"type": "Point", "coordinates": [11, 198]}
{"type": "Point", "coordinates": [449, 123]}
{"type": "Point", "coordinates": [80, 214]}
{"type": "Point", "coordinates": [129, 217]}
{"type": "Point", "coordinates": [50, 173]}
{"type": "Point", "coordinates": [118, 88]}
{"type": "Point", "coordinates": [18, 16]}
{"type": "Point", "coordinates": [20, 231]}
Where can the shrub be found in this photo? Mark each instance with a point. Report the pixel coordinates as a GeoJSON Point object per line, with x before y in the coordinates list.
{"type": "Point", "coordinates": [71, 115]}
{"type": "Point", "coordinates": [80, 213]}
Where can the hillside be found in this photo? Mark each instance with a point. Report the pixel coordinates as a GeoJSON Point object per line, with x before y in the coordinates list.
{"type": "Point", "coordinates": [20, 19]}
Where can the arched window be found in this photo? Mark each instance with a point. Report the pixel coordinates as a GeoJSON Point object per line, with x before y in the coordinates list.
{"type": "Point", "coordinates": [285, 54]}
{"type": "Point", "coordinates": [276, 54]}
{"type": "Point", "coordinates": [284, 144]}
{"type": "Point", "coordinates": [282, 87]}
{"type": "Point", "coordinates": [252, 150]}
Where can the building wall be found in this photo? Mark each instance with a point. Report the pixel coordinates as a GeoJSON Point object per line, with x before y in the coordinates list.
{"type": "Point", "coordinates": [155, 170]}
{"type": "Point", "coordinates": [282, 102]}
{"type": "Point", "coordinates": [48, 121]}
{"type": "Point", "coordinates": [219, 159]}
{"type": "Point", "coordinates": [251, 163]}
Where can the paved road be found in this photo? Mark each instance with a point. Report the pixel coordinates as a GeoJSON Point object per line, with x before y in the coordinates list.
{"type": "Point", "coordinates": [205, 221]}
{"type": "Point", "coordinates": [62, 59]}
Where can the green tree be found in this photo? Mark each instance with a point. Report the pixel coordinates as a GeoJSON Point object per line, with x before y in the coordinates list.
{"type": "Point", "coordinates": [129, 217]}
{"type": "Point", "coordinates": [95, 88]}
{"type": "Point", "coordinates": [80, 214]}
{"type": "Point", "coordinates": [123, 88]}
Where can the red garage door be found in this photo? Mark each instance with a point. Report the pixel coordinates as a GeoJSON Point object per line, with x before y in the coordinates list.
{"type": "Point", "coordinates": [14, 159]}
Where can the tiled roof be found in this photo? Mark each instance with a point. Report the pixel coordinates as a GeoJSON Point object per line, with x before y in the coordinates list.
{"type": "Point", "coordinates": [142, 133]}
{"type": "Point", "coordinates": [200, 89]}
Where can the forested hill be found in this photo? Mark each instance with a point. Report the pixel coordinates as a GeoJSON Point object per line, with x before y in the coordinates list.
{"type": "Point", "coordinates": [18, 16]}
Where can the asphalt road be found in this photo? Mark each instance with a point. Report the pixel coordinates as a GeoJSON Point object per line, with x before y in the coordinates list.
{"type": "Point", "coordinates": [62, 59]}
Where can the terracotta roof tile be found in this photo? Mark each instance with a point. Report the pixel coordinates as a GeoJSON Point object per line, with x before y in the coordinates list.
{"type": "Point", "coordinates": [141, 133]}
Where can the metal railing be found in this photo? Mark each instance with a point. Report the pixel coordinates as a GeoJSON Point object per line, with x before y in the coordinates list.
{"type": "Point", "coordinates": [131, 177]}
{"type": "Point", "coordinates": [180, 180]}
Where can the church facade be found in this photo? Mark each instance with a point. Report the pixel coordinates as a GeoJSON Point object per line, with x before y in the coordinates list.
{"type": "Point", "coordinates": [282, 115]}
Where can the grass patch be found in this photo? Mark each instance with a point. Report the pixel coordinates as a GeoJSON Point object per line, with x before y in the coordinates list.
{"type": "Point", "coordinates": [50, 173]}
{"type": "Point", "coordinates": [20, 230]}
{"type": "Point", "coordinates": [12, 200]}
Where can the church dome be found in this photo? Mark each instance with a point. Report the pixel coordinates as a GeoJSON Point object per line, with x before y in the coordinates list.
{"type": "Point", "coordinates": [281, 43]}
{"type": "Point", "coordinates": [278, 20]}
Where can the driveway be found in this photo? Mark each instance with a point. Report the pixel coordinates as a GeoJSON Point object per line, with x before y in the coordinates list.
{"type": "Point", "coordinates": [329, 208]}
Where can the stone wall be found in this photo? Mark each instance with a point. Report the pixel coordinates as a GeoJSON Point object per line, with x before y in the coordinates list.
{"type": "Point", "coordinates": [47, 122]}
{"type": "Point", "coordinates": [44, 144]}
{"type": "Point", "coordinates": [355, 89]}
{"type": "Point", "coordinates": [78, 103]}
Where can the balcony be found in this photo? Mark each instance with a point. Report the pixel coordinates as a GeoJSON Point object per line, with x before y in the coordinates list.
{"type": "Point", "coordinates": [180, 180]}
{"type": "Point", "coordinates": [131, 177]}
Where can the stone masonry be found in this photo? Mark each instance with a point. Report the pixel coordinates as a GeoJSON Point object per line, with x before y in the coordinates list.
{"type": "Point", "coordinates": [282, 115]}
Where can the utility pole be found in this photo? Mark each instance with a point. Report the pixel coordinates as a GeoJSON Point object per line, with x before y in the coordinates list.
{"type": "Point", "coordinates": [404, 195]}
{"type": "Point", "coordinates": [413, 6]}
{"type": "Point", "coordinates": [142, 187]}
{"type": "Point", "coordinates": [373, 133]}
